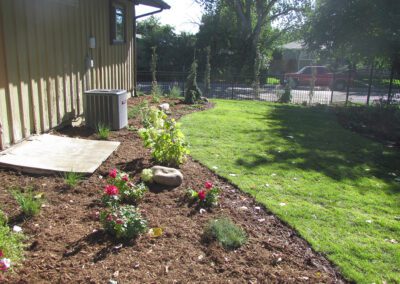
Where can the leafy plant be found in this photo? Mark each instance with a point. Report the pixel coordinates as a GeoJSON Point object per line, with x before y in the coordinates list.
{"type": "Point", "coordinates": [193, 92]}
{"type": "Point", "coordinates": [168, 143]}
{"type": "Point", "coordinates": [119, 184]}
{"type": "Point", "coordinates": [72, 178]}
{"type": "Point", "coordinates": [286, 97]}
{"type": "Point", "coordinates": [134, 111]}
{"type": "Point", "coordinates": [11, 246]}
{"type": "Point", "coordinates": [28, 202]}
{"type": "Point", "coordinates": [103, 132]}
{"type": "Point", "coordinates": [228, 234]}
{"type": "Point", "coordinates": [206, 197]}
{"type": "Point", "coordinates": [164, 137]}
{"type": "Point", "coordinates": [175, 92]}
{"type": "Point", "coordinates": [147, 175]}
{"type": "Point", "coordinates": [124, 222]}
{"type": "Point", "coordinates": [3, 218]}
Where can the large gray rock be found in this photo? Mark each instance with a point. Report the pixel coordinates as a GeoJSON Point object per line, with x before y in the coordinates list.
{"type": "Point", "coordinates": [167, 176]}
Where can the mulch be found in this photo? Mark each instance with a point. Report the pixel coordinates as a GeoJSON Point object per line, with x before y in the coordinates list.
{"type": "Point", "coordinates": [67, 245]}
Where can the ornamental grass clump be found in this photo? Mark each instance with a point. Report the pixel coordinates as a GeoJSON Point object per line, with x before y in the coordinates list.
{"type": "Point", "coordinates": [227, 233]}
{"type": "Point", "coordinates": [206, 197]}
{"type": "Point", "coordinates": [29, 203]}
{"type": "Point", "coordinates": [72, 179]}
{"type": "Point", "coordinates": [164, 137]}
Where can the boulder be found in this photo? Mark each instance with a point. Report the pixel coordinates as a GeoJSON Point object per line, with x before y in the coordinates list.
{"type": "Point", "coordinates": [167, 176]}
{"type": "Point", "coordinates": [164, 107]}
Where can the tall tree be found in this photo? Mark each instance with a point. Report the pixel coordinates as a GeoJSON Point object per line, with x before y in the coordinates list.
{"type": "Point", "coordinates": [362, 29]}
{"type": "Point", "coordinates": [253, 17]}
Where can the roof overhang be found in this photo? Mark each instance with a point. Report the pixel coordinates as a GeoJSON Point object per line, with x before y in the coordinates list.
{"type": "Point", "coordinates": [154, 3]}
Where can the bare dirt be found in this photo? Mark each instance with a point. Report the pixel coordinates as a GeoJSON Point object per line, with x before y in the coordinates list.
{"type": "Point", "coordinates": [66, 244]}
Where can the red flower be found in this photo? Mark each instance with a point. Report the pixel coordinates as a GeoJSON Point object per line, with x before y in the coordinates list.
{"type": "Point", "coordinates": [1, 254]}
{"type": "Point", "coordinates": [208, 184]}
{"type": "Point", "coordinates": [125, 178]}
{"type": "Point", "coordinates": [202, 195]}
{"type": "Point", "coordinates": [113, 173]}
{"type": "Point", "coordinates": [109, 217]}
{"type": "Point", "coordinates": [119, 221]}
{"type": "Point", "coordinates": [111, 190]}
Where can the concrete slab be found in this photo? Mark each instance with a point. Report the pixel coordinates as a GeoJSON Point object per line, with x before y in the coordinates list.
{"type": "Point", "coordinates": [49, 153]}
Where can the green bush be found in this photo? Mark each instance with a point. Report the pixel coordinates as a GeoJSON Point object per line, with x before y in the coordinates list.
{"type": "Point", "coordinates": [72, 179]}
{"type": "Point", "coordinates": [3, 218]}
{"type": "Point", "coordinates": [103, 132]}
{"type": "Point", "coordinates": [164, 137]}
{"type": "Point", "coordinates": [228, 234]}
{"type": "Point", "coordinates": [272, 81]}
{"type": "Point", "coordinates": [147, 175]}
{"type": "Point", "coordinates": [175, 92]}
{"type": "Point", "coordinates": [286, 97]}
{"type": "Point", "coordinates": [11, 244]}
{"type": "Point", "coordinates": [134, 111]}
{"type": "Point", "coordinates": [29, 203]}
{"type": "Point", "coordinates": [124, 222]}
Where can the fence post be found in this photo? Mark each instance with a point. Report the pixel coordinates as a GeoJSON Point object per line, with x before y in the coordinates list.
{"type": "Point", "coordinates": [370, 82]}
{"type": "Point", "coordinates": [232, 85]}
{"type": "Point", "coordinates": [333, 86]}
{"type": "Point", "coordinates": [348, 85]}
{"type": "Point", "coordinates": [390, 84]}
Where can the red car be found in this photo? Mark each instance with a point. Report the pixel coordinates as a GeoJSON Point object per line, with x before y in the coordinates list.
{"type": "Point", "coordinates": [323, 77]}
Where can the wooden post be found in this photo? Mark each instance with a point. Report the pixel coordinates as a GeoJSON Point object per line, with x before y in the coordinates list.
{"type": "Point", "coordinates": [370, 82]}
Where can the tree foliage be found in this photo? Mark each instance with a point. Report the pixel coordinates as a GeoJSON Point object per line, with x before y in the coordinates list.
{"type": "Point", "coordinates": [234, 28]}
{"type": "Point", "coordinates": [363, 29]}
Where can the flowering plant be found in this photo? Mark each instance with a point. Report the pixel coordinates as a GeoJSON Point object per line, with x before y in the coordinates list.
{"type": "Point", "coordinates": [119, 187]}
{"type": "Point", "coordinates": [207, 197]}
{"type": "Point", "coordinates": [123, 222]}
{"type": "Point", "coordinates": [5, 263]}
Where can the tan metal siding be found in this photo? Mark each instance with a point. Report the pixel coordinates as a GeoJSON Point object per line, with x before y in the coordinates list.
{"type": "Point", "coordinates": [43, 47]}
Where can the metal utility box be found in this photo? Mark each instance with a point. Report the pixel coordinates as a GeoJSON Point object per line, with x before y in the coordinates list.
{"type": "Point", "coordinates": [106, 107]}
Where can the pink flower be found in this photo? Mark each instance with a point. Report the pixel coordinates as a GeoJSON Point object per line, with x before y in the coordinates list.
{"type": "Point", "coordinates": [125, 178]}
{"type": "Point", "coordinates": [208, 184]}
{"type": "Point", "coordinates": [111, 190]}
{"type": "Point", "coordinates": [119, 221]}
{"type": "Point", "coordinates": [113, 173]}
{"type": "Point", "coordinates": [5, 264]}
{"type": "Point", "coordinates": [96, 215]}
{"type": "Point", "coordinates": [202, 195]}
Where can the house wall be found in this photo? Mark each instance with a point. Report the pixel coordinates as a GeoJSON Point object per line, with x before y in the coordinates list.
{"type": "Point", "coordinates": [43, 50]}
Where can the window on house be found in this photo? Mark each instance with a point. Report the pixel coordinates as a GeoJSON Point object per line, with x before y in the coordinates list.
{"type": "Point", "coordinates": [118, 23]}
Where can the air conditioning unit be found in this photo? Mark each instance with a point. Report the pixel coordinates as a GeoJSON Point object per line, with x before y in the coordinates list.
{"type": "Point", "coordinates": [106, 107]}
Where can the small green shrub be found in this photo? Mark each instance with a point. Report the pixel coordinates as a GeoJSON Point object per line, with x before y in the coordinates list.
{"type": "Point", "coordinates": [134, 111]}
{"type": "Point", "coordinates": [286, 97]}
{"type": "Point", "coordinates": [153, 117]}
{"type": "Point", "coordinates": [228, 234]}
{"type": "Point", "coordinates": [11, 245]}
{"type": "Point", "coordinates": [103, 132]}
{"type": "Point", "coordinates": [124, 222]}
{"type": "Point", "coordinates": [28, 202]}
{"type": "Point", "coordinates": [272, 81]}
{"type": "Point", "coordinates": [3, 218]}
{"type": "Point", "coordinates": [72, 178]}
{"type": "Point", "coordinates": [134, 193]}
{"type": "Point", "coordinates": [147, 175]}
{"type": "Point", "coordinates": [175, 92]}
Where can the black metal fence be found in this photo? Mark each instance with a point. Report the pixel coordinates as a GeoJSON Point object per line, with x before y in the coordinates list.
{"type": "Point", "coordinates": [361, 87]}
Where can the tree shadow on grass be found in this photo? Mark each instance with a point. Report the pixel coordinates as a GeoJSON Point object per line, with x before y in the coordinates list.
{"type": "Point", "coordinates": [313, 138]}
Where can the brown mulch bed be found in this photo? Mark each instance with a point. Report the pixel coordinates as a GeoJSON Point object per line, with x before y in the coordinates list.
{"type": "Point", "coordinates": [67, 245]}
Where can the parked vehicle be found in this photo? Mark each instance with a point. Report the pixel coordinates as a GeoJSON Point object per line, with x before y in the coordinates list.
{"type": "Point", "coordinates": [323, 77]}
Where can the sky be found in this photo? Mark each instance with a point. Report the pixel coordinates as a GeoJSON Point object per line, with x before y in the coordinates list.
{"type": "Point", "coordinates": [183, 15]}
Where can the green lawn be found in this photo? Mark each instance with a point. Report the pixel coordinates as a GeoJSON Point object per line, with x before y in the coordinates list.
{"type": "Point", "coordinates": [335, 187]}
